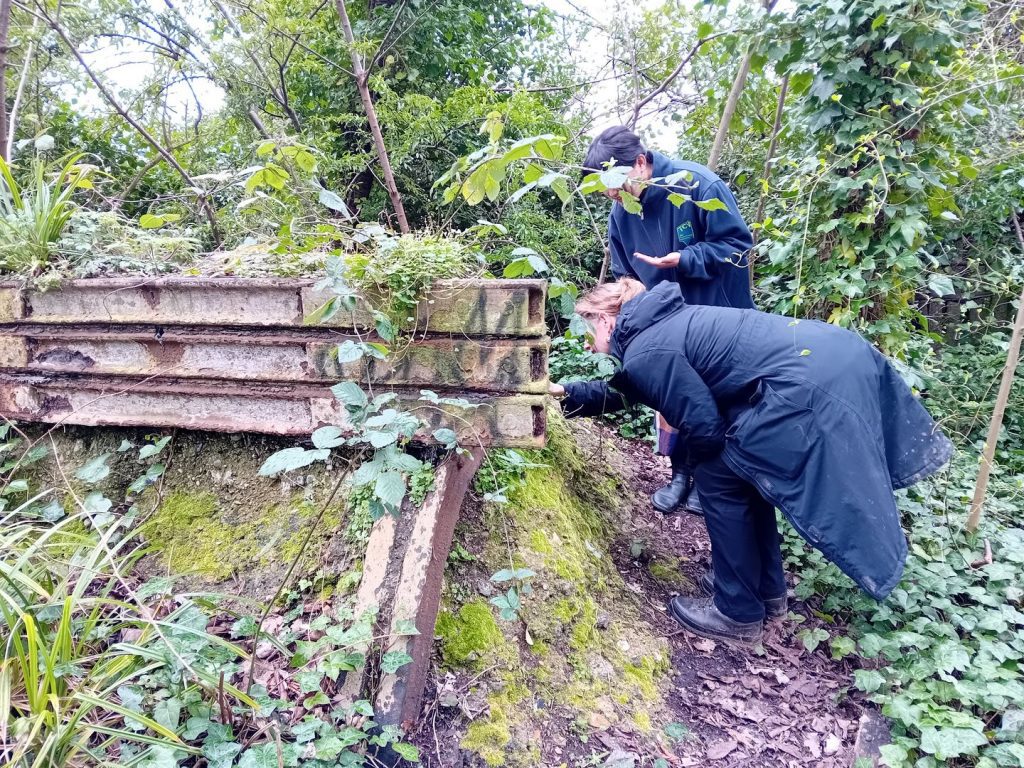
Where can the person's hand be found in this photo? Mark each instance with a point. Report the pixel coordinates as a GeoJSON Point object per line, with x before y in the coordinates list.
{"type": "Point", "coordinates": [556, 390]}
{"type": "Point", "coordinates": [667, 261]}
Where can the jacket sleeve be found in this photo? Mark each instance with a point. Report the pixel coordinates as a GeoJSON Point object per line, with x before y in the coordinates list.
{"type": "Point", "coordinates": [665, 380]}
{"type": "Point", "coordinates": [621, 266]}
{"type": "Point", "coordinates": [726, 237]}
{"type": "Point", "coordinates": [591, 398]}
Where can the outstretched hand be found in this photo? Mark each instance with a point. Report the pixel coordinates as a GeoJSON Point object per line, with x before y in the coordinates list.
{"type": "Point", "coordinates": [556, 390]}
{"type": "Point", "coordinates": [667, 261]}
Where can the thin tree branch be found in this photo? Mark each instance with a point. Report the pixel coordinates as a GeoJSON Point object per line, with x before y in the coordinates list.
{"type": "Point", "coordinates": [674, 73]}
{"type": "Point", "coordinates": [1005, 385]}
{"type": "Point", "coordinates": [204, 203]}
{"type": "Point", "coordinates": [5, 48]}
{"type": "Point", "coordinates": [371, 116]}
{"type": "Point", "coordinates": [12, 120]}
{"type": "Point", "coordinates": [280, 96]}
{"type": "Point", "coordinates": [768, 162]}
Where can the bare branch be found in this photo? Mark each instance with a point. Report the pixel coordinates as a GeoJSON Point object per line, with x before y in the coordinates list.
{"type": "Point", "coordinates": [172, 161]}
{"type": "Point", "coordinates": [5, 48]}
{"type": "Point", "coordinates": [371, 116]}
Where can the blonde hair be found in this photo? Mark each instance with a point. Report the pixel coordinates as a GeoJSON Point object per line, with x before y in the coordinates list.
{"type": "Point", "coordinates": [609, 297]}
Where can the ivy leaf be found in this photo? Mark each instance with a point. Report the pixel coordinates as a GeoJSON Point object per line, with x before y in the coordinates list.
{"type": "Point", "coordinates": [161, 757]}
{"type": "Point", "coordinates": [167, 713]}
{"type": "Point", "coordinates": [317, 699]}
{"type": "Point", "coordinates": [95, 470]}
{"type": "Point", "coordinates": [868, 680]}
{"type": "Point", "coordinates": [263, 756]}
{"type": "Point", "coordinates": [97, 506]}
{"type": "Point", "coordinates": [52, 512]}
{"type": "Point", "coordinates": [406, 627]}
{"type": "Point", "coordinates": [393, 661]}
{"type": "Point", "coordinates": [153, 449]}
{"type": "Point", "coordinates": [291, 458]}
{"type": "Point", "coordinates": [947, 743]}
{"type": "Point", "coordinates": [221, 755]}
{"type": "Point", "coordinates": [677, 731]}
{"type": "Point", "coordinates": [812, 638]}
{"type": "Point", "coordinates": [842, 646]}
{"type": "Point", "coordinates": [406, 751]}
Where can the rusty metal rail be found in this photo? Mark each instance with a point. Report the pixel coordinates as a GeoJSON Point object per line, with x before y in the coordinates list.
{"type": "Point", "coordinates": [230, 354]}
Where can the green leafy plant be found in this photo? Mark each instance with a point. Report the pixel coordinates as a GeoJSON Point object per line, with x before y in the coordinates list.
{"type": "Point", "coordinates": [33, 218]}
{"type": "Point", "coordinates": [518, 580]}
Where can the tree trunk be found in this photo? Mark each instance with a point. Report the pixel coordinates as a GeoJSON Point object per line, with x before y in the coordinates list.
{"type": "Point", "coordinates": [5, 47]}
{"type": "Point", "coordinates": [1012, 358]}
{"type": "Point", "coordinates": [730, 109]}
{"type": "Point", "coordinates": [768, 162]}
{"type": "Point", "coordinates": [734, 98]}
{"type": "Point", "coordinates": [371, 116]}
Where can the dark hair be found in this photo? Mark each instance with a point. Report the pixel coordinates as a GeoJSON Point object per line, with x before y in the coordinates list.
{"type": "Point", "coordinates": [618, 142]}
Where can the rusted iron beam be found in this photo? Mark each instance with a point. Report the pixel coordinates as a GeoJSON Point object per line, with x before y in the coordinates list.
{"type": "Point", "coordinates": [300, 355]}
{"type": "Point", "coordinates": [270, 408]}
{"type": "Point", "coordinates": [465, 307]}
{"type": "Point", "coordinates": [416, 595]}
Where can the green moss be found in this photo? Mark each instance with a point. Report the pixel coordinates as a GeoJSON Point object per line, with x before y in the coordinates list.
{"type": "Point", "coordinates": [584, 629]}
{"type": "Point", "coordinates": [667, 571]}
{"type": "Point", "coordinates": [644, 675]}
{"type": "Point", "coordinates": [642, 720]}
{"type": "Point", "coordinates": [489, 737]}
{"type": "Point", "coordinates": [472, 638]}
{"type": "Point", "coordinates": [195, 537]}
{"type": "Point", "coordinates": [188, 530]}
{"type": "Point", "coordinates": [540, 544]}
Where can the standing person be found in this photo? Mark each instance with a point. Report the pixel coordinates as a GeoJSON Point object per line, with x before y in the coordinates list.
{"type": "Point", "coordinates": [704, 251]}
{"type": "Point", "coordinates": [799, 415]}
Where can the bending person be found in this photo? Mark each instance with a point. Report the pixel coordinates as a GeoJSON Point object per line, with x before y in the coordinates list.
{"type": "Point", "coordinates": [772, 412]}
{"type": "Point", "coordinates": [704, 251]}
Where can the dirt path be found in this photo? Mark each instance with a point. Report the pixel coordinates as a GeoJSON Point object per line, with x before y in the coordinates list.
{"type": "Point", "coordinates": [776, 706]}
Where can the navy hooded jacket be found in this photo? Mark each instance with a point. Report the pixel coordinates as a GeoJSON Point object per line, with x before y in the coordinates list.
{"type": "Point", "coordinates": [810, 414]}
{"type": "Point", "coordinates": [712, 245]}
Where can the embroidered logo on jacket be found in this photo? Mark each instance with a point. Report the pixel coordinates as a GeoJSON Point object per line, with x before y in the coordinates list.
{"type": "Point", "coordinates": [685, 232]}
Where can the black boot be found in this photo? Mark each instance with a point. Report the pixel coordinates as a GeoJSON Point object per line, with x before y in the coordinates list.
{"type": "Point", "coordinates": [774, 607]}
{"type": "Point", "coordinates": [692, 504]}
{"type": "Point", "coordinates": [668, 498]}
{"type": "Point", "coordinates": [700, 616]}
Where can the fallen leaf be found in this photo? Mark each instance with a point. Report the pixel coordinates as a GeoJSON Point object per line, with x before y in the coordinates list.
{"type": "Point", "coordinates": [832, 744]}
{"type": "Point", "coordinates": [721, 749]}
{"type": "Point", "coordinates": [704, 645]}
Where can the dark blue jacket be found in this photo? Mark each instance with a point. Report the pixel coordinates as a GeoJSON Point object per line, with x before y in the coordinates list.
{"type": "Point", "coordinates": [809, 413]}
{"type": "Point", "coordinates": [712, 245]}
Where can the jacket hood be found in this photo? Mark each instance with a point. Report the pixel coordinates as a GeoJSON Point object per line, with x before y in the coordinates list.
{"type": "Point", "coordinates": [639, 314]}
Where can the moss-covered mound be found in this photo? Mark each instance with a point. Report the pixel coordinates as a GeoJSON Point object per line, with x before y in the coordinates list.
{"type": "Point", "coordinates": [578, 656]}
{"type": "Point", "coordinates": [209, 518]}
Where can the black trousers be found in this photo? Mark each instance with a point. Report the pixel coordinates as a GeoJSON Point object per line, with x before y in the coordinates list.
{"type": "Point", "coordinates": [745, 551]}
